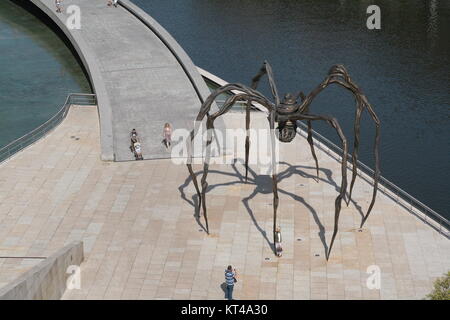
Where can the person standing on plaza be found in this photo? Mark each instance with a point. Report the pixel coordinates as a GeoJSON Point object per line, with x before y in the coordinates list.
{"type": "Point", "coordinates": [167, 134]}
{"type": "Point", "coordinates": [58, 6]}
{"type": "Point", "coordinates": [230, 280]}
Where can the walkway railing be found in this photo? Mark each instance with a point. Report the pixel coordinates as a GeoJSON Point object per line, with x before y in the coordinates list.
{"type": "Point", "coordinates": [398, 195]}
{"type": "Point", "coordinates": [72, 99]}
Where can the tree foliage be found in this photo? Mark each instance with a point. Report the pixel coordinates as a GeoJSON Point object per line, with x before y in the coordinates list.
{"type": "Point", "coordinates": [441, 289]}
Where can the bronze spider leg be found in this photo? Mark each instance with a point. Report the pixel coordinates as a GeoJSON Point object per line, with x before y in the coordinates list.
{"type": "Point", "coordinates": [339, 75]}
{"type": "Point", "coordinates": [274, 177]}
{"type": "Point", "coordinates": [311, 145]}
{"type": "Point", "coordinates": [310, 137]}
{"type": "Point", "coordinates": [376, 152]}
{"type": "Point", "coordinates": [265, 69]}
{"type": "Point", "coordinates": [189, 143]}
{"type": "Point", "coordinates": [338, 202]}
{"type": "Point", "coordinates": [204, 111]}
{"type": "Point", "coordinates": [210, 127]}
{"type": "Point", "coordinates": [247, 138]}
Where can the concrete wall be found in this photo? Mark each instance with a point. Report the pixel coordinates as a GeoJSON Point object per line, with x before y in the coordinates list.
{"type": "Point", "coordinates": [47, 280]}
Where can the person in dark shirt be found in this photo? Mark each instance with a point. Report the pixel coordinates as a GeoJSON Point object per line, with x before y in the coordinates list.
{"type": "Point", "coordinates": [136, 145]}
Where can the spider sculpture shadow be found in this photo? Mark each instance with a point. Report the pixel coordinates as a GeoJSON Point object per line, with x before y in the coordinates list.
{"type": "Point", "coordinates": [286, 113]}
{"type": "Point", "coordinates": [262, 185]}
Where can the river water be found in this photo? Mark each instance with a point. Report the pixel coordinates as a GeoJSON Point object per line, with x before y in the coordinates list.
{"type": "Point", "coordinates": [402, 68]}
{"type": "Point", "coordinates": [37, 72]}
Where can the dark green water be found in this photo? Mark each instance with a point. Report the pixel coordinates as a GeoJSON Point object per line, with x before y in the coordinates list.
{"type": "Point", "coordinates": [403, 69]}
{"type": "Point", "coordinates": [37, 72]}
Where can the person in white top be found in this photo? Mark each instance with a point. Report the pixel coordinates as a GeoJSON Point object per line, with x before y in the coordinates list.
{"type": "Point", "coordinates": [58, 6]}
{"type": "Point", "coordinates": [137, 151]}
{"type": "Point", "coordinates": [167, 134]}
{"type": "Point", "coordinates": [136, 145]}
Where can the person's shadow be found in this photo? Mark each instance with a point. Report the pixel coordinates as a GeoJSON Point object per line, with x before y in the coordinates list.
{"type": "Point", "coordinates": [223, 286]}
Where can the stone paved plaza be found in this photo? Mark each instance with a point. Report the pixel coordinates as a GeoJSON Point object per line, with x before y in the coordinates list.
{"type": "Point", "coordinates": [142, 240]}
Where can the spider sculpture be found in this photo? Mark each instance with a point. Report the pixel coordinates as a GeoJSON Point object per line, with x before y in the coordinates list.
{"type": "Point", "coordinates": [285, 113]}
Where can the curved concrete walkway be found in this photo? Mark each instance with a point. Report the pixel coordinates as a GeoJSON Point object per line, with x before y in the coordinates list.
{"type": "Point", "coordinates": [141, 76]}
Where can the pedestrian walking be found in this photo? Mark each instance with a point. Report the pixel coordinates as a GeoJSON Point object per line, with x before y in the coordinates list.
{"type": "Point", "coordinates": [167, 134]}
{"type": "Point", "coordinates": [58, 6]}
{"type": "Point", "coordinates": [230, 280]}
{"type": "Point", "coordinates": [112, 3]}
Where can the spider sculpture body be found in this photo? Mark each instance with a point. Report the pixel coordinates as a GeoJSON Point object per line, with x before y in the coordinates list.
{"type": "Point", "coordinates": [285, 113]}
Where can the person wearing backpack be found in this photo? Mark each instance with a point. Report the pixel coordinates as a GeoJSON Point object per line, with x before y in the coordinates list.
{"type": "Point", "coordinates": [230, 280]}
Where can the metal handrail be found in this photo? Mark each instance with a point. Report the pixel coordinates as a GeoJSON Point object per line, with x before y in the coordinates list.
{"type": "Point", "coordinates": [397, 194]}
{"type": "Point", "coordinates": [242, 107]}
{"type": "Point", "coordinates": [19, 144]}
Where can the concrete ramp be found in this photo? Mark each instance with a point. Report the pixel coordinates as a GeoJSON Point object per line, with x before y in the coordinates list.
{"type": "Point", "coordinates": [141, 76]}
{"type": "Point", "coordinates": [48, 279]}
